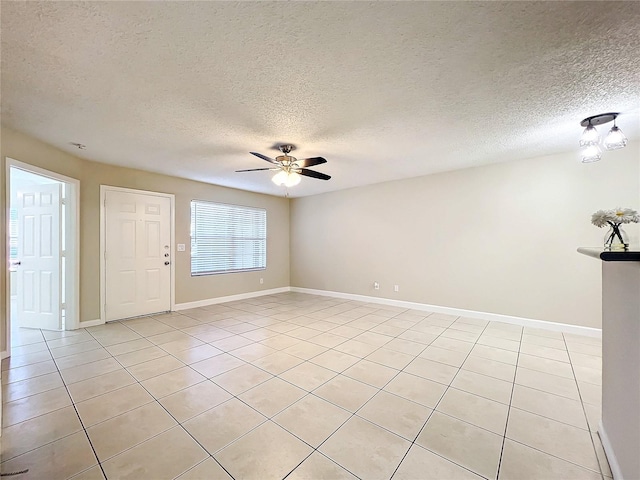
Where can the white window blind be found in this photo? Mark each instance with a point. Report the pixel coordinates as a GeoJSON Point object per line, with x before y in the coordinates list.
{"type": "Point", "coordinates": [227, 238]}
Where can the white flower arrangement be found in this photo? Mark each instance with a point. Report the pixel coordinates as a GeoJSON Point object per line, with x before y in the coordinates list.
{"type": "Point", "coordinates": [617, 216]}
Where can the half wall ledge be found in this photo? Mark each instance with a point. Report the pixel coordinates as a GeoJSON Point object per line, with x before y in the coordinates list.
{"type": "Point", "coordinates": [611, 256]}
{"type": "Point", "coordinates": [620, 424]}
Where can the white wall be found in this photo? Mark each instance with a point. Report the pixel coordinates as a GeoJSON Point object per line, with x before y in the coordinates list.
{"type": "Point", "coordinates": [500, 238]}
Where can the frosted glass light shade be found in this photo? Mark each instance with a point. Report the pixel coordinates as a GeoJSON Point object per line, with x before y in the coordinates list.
{"type": "Point", "coordinates": [280, 178]}
{"type": "Point", "coordinates": [615, 139]}
{"type": "Point", "coordinates": [591, 153]}
{"type": "Point", "coordinates": [293, 179]}
{"type": "Point", "coordinates": [288, 179]}
{"type": "Point", "coordinates": [590, 136]}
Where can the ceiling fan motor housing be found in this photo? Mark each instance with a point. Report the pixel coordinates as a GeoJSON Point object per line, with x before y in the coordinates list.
{"type": "Point", "coordinates": [286, 148]}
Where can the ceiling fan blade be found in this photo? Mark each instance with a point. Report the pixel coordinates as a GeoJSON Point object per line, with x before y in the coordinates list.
{"type": "Point", "coordinates": [310, 162]}
{"type": "Point", "coordinates": [256, 169]}
{"type": "Point", "coordinates": [314, 174]}
{"type": "Point", "coordinates": [264, 157]}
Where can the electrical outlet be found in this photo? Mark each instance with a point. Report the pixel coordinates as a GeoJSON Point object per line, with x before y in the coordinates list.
{"type": "Point", "coordinates": [396, 288]}
{"type": "Point", "coordinates": [261, 281]}
{"type": "Point", "coordinates": [376, 286]}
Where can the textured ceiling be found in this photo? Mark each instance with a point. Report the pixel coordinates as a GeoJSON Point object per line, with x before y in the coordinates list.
{"type": "Point", "coordinates": [382, 90]}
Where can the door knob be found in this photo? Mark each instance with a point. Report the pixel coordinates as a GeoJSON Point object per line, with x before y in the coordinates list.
{"type": "Point", "coordinates": [166, 263]}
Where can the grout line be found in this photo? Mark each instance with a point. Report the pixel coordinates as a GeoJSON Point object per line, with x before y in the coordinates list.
{"type": "Point", "coordinates": [320, 453]}
{"type": "Point", "coordinates": [178, 423]}
{"type": "Point", "coordinates": [586, 418]}
{"type": "Point", "coordinates": [556, 457]}
{"type": "Point", "coordinates": [79, 418]}
{"type": "Point", "coordinates": [506, 424]}
{"type": "Point", "coordinates": [433, 410]}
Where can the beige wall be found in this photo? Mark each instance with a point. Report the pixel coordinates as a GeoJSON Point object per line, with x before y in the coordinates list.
{"type": "Point", "coordinates": [91, 175]}
{"type": "Point", "coordinates": [500, 238]}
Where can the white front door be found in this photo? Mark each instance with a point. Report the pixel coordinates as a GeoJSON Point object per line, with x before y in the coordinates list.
{"type": "Point", "coordinates": [39, 257]}
{"type": "Point", "coordinates": [137, 254]}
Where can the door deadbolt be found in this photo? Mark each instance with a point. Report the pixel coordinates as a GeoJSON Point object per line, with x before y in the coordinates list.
{"type": "Point", "coordinates": [166, 263]}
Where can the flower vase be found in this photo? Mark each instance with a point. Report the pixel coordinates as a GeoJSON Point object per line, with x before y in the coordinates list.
{"type": "Point", "coordinates": [616, 238]}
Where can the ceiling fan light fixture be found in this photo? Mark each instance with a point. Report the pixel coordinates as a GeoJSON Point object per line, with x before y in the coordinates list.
{"type": "Point", "coordinates": [293, 179]}
{"type": "Point", "coordinates": [615, 139]}
{"type": "Point", "coordinates": [280, 178]}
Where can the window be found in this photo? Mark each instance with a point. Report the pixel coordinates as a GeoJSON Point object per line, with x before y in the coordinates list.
{"type": "Point", "coordinates": [227, 238]}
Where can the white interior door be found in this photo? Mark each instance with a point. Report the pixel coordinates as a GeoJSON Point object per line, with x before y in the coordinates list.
{"type": "Point", "coordinates": [137, 254]}
{"type": "Point", "coordinates": [39, 259]}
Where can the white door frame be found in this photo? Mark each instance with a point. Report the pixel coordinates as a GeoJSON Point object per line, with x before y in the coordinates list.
{"type": "Point", "coordinates": [103, 242]}
{"type": "Point", "coordinates": [72, 239]}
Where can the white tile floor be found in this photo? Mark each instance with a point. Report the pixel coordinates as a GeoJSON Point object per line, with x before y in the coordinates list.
{"type": "Point", "coordinates": [302, 387]}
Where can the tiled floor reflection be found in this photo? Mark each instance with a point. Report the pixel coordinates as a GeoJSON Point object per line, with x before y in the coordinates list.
{"type": "Point", "coordinates": [302, 387]}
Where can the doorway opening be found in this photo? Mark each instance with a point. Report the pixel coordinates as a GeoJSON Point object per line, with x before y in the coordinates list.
{"type": "Point", "coordinates": [43, 253]}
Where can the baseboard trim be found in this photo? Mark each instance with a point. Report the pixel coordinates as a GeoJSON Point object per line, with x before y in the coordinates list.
{"type": "Point", "coordinates": [4, 354]}
{"type": "Point", "coordinates": [90, 323]}
{"type": "Point", "coordinates": [495, 317]}
{"type": "Point", "coordinates": [608, 450]}
{"type": "Point", "coordinates": [229, 298]}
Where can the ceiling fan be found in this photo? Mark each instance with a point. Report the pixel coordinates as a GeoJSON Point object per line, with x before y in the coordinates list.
{"type": "Point", "coordinates": [290, 168]}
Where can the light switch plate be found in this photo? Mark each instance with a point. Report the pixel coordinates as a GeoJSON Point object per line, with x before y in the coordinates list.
{"type": "Point", "coordinates": [181, 247]}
